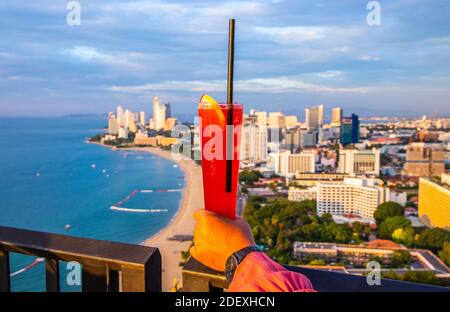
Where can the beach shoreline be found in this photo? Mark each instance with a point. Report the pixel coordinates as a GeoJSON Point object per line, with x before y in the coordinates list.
{"type": "Point", "coordinates": [182, 223]}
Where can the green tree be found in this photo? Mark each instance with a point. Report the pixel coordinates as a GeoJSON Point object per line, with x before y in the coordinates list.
{"type": "Point", "coordinates": [386, 210]}
{"type": "Point", "coordinates": [404, 236]}
{"type": "Point", "coordinates": [317, 262]}
{"type": "Point", "coordinates": [389, 225]}
{"type": "Point", "coordinates": [433, 239]}
{"type": "Point", "coordinates": [401, 258]}
{"type": "Point", "coordinates": [326, 218]}
{"type": "Point", "coordinates": [361, 231]}
{"type": "Point", "coordinates": [423, 277]}
{"type": "Point", "coordinates": [249, 177]}
{"type": "Point", "coordinates": [444, 254]}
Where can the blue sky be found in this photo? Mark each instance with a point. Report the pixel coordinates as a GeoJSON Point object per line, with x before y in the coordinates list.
{"type": "Point", "coordinates": [289, 55]}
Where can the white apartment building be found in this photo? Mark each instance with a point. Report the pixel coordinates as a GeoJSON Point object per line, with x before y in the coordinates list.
{"type": "Point", "coordinates": [287, 164]}
{"type": "Point", "coordinates": [130, 121]}
{"type": "Point", "coordinates": [159, 114]}
{"type": "Point", "coordinates": [359, 162]}
{"type": "Point", "coordinates": [120, 116]}
{"type": "Point", "coordinates": [123, 132]}
{"type": "Point", "coordinates": [295, 194]}
{"type": "Point", "coordinates": [113, 126]}
{"type": "Point", "coordinates": [253, 143]}
{"type": "Point", "coordinates": [357, 196]}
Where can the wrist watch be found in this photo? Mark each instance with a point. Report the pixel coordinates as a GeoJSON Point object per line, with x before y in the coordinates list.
{"type": "Point", "coordinates": [235, 259]}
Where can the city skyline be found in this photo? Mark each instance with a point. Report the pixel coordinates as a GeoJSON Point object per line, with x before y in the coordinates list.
{"type": "Point", "coordinates": [289, 56]}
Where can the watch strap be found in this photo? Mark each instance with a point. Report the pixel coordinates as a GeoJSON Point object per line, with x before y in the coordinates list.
{"type": "Point", "coordinates": [238, 257]}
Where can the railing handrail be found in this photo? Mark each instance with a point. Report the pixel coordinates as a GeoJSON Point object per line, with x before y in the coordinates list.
{"type": "Point", "coordinates": [101, 260]}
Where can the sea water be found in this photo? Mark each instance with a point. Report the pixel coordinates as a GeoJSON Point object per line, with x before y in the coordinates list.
{"type": "Point", "coordinates": [53, 181]}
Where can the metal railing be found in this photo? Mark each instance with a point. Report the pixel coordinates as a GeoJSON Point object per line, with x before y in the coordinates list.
{"type": "Point", "coordinates": [197, 277]}
{"type": "Point", "coordinates": [110, 266]}
{"type": "Point", "coordinates": [106, 266]}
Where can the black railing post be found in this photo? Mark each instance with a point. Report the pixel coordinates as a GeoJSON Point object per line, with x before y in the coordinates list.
{"type": "Point", "coordinates": [52, 275]}
{"type": "Point", "coordinates": [5, 284]}
{"type": "Point", "coordinates": [93, 279]}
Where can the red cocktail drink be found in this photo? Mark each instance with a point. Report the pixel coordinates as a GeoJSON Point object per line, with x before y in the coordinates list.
{"type": "Point", "coordinates": [213, 127]}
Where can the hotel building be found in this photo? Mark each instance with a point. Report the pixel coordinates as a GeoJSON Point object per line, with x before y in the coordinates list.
{"type": "Point", "coordinates": [356, 162]}
{"type": "Point", "coordinates": [287, 164]}
{"type": "Point", "coordinates": [434, 202]}
{"type": "Point", "coordinates": [355, 196]}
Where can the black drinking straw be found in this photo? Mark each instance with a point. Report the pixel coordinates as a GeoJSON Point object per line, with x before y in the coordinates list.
{"type": "Point", "coordinates": [229, 147]}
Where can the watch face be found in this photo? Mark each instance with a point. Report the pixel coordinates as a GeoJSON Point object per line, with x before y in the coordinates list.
{"type": "Point", "coordinates": [230, 267]}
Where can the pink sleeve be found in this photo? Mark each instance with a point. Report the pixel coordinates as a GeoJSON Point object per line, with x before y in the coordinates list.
{"type": "Point", "coordinates": [259, 273]}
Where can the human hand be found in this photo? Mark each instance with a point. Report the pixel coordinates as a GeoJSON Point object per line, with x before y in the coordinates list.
{"type": "Point", "coordinates": [217, 237]}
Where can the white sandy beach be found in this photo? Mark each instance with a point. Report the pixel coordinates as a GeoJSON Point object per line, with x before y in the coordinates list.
{"type": "Point", "coordinates": [182, 223]}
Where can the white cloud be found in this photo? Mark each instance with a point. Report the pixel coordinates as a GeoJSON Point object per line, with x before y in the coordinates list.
{"type": "Point", "coordinates": [299, 34]}
{"type": "Point", "coordinates": [369, 58]}
{"type": "Point", "coordinates": [260, 85]}
{"type": "Point", "coordinates": [91, 54]}
{"type": "Point", "coordinates": [330, 74]}
{"type": "Point", "coordinates": [179, 17]}
{"type": "Point", "coordinates": [342, 49]}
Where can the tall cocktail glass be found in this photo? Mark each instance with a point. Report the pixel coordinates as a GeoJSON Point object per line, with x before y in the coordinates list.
{"type": "Point", "coordinates": [213, 127]}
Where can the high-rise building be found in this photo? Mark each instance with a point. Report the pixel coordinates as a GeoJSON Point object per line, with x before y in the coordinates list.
{"type": "Point", "coordinates": [168, 110]}
{"type": "Point", "coordinates": [356, 162]}
{"type": "Point", "coordinates": [170, 123]}
{"type": "Point", "coordinates": [349, 133]}
{"type": "Point", "coordinates": [113, 125]}
{"type": "Point", "coordinates": [355, 196]}
{"type": "Point", "coordinates": [277, 119]}
{"type": "Point", "coordinates": [123, 132]}
{"type": "Point", "coordinates": [424, 160]}
{"type": "Point", "coordinates": [120, 116]}
{"type": "Point", "coordinates": [142, 118]}
{"type": "Point", "coordinates": [291, 121]}
{"type": "Point", "coordinates": [261, 118]}
{"type": "Point", "coordinates": [336, 116]}
{"type": "Point", "coordinates": [314, 117]}
{"type": "Point", "coordinates": [287, 164]}
{"type": "Point", "coordinates": [309, 138]}
{"type": "Point", "coordinates": [253, 141]}
{"type": "Point", "coordinates": [434, 202]}
{"type": "Point", "coordinates": [130, 121]}
{"type": "Point", "coordinates": [292, 139]}
{"type": "Point", "coordinates": [159, 114]}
